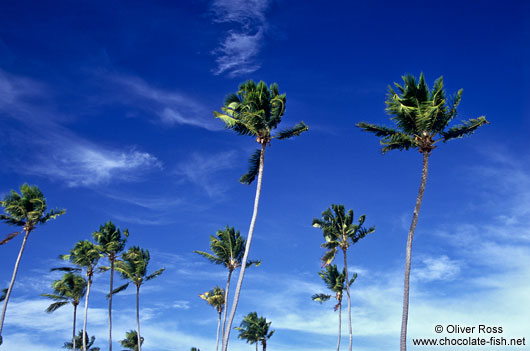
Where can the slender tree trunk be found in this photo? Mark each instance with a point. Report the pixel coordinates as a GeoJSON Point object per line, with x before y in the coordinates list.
{"type": "Point", "coordinates": [73, 332]}
{"type": "Point", "coordinates": [110, 302]}
{"type": "Point", "coordinates": [86, 311]}
{"type": "Point", "coordinates": [226, 301]}
{"type": "Point", "coordinates": [404, 319]}
{"type": "Point", "coordinates": [247, 249]}
{"type": "Point", "coordinates": [138, 318]}
{"type": "Point", "coordinates": [349, 298]}
{"type": "Point", "coordinates": [340, 322]}
{"type": "Point", "coordinates": [256, 346]}
{"type": "Point", "coordinates": [17, 263]}
{"type": "Point", "coordinates": [218, 330]}
{"type": "Point", "coordinates": [264, 343]}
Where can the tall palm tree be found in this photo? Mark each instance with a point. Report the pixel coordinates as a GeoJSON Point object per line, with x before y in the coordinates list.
{"type": "Point", "coordinates": [335, 282]}
{"type": "Point", "coordinates": [85, 255]}
{"type": "Point", "coordinates": [228, 249]}
{"type": "Point", "coordinates": [255, 329]}
{"type": "Point", "coordinates": [216, 299]}
{"type": "Point", "coordinates": [421, 118]}
{"type": "Point", "coordinates": [25, 210]}
{"type": "Point", "coordinates": [71, 288]}
{"type": "Point", "coordinates": [340, 232]}
{"type": "Point", "coordinates": [134, 268]}
{"type": "Point", "coordinates": [256, 111]}
{"type": "Point", "coordinates": [79, 338]}
{"type": "Point", "coordinates": [110, 239]}
{"type": "Point", "coordinates": [131, 341]}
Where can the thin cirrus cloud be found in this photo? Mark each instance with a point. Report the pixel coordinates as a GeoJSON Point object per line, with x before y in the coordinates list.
{"type": "Point", "coordinates": [171, 107]}
{"type": "Point", "coordinates": [57, 152]}
{"type": "Point", "coordinates": [237, 53]}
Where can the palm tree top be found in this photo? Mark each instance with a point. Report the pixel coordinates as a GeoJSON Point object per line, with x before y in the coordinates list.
{"type": "Point", "coordinates": [79, 341]}
{"type": "Point", "coordinates": [254, 328]}
{"type": "Point", "coordinates": [134, 266]}
{"type": "Point", "coordinates": [71, 287]}
{"type": "Point", "coordinates": [215, 298]}
{"type": "Point", "coordinates": [26, 209]}
{"type": "Point", "coordinates": [131, 341]}
{"type": "Point", "coordinates": [228, 249]}
{"type": "Point", "coordinates": [256, 110]}
{"type": "Point", "coordinates": [109, 238]}
{"type": "Point", "coordinates": [339, 230]}
{"type": "Point", "coordinates": [421, 116]}
{"type": "Point", "coordinates": [84, 254]}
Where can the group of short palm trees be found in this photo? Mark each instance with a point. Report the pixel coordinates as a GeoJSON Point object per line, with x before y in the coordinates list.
{"type": "Point", "coordinates": [421, 117]}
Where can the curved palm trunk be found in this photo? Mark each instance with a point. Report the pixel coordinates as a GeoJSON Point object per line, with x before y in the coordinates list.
{"type": "Point", "coordinates": [405, 317]}
{"type": "Point", "coordinates": [218, 330]}
{"type": "Point", "coordinates": [73, 331]}
{"type": "Point", "coordinates": [247, 249]}
{"type": "Point", "coordinates": [138, 317]}
{"type": "Point", "coordinates": [340, 321]}
{"type": "Point", "coordinates": [226, 301]}
{"type": "Point", "coordinates": [264, 343]}
{"type": "Point", "coordinates": [349, 298]}
{"type": "Point", "coordinates": [110, 302]}
{"type": "Point", "coordinates": [86, 311]}
{"type": "Point", "coordinates": [17, 263]}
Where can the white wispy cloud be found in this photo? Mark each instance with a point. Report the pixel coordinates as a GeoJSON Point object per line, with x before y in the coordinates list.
{"type": "Point", "coordinates": [203, 170]}
{"type": "Point", "coordinates": [56, 152]}
{"type": "Point", "coordinates": [437, 268]}
{"type": "Point", "coordinates": [238, 51]}
{"type": "Point", "coordinates": [171, 107]}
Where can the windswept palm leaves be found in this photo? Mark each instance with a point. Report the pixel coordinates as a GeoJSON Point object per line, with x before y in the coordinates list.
{"type": "Point", "coordinates": [111, 241]}
{"type": "Point", "coordinates": [340, 233]}
{"type": "Point", "coordinates": [335, 282]}
{"type": "Point", "coordinates": [79, 338]}
{"type": "Point", "coordinates": [421, 118]}
{"type": "Point", "coordinates": [131, 341]}
{"type": "Point", "coordinates": [228, 248]}
{"type": "Point", "coordinates": [216, 299]}
{"type": "Point", "coordinates": [85, 255]}
{"type": "Point", "coordinates": [134, 268]}
{"type": "Point", "coordinates": [255, 329]}
{"type": "Point", "coordinates": [25, 210]}
{"type": "Point", "coordinates": [256, 111]}
{"type": "Point", "coordinates": [71, 288]}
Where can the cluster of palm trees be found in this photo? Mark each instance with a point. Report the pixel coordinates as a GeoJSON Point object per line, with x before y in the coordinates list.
{"type": "Point", "coordinates": [421, 117]}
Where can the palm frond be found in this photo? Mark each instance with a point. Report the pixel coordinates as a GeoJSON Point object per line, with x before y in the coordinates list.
{"type": "Point", "coordinates": [380, 131]}
{"type": "Point", "coordinates": [11, 221]}
{"type": "Point", "coordinates": [320, 297]}
{"type": "Point", "coordinates": [118, 289]}
{"type": "Point", "coordinates": [253, 168]}
{"type": "Point", "coordinates": [8, 237]}
{"type": "Point", "coordinates": [328, 257]}
{"type": "Point", "coordinates": [55, 306]}
{"type": "Point", "coordinates": [3, 295]}
{"type": "Point", "coordinates": [466, 128]}
{"type": "Point", "coordinates": [155, 274]}
{"type": "Point", "coordinates": [253, 263]}
{"type": "Point", "coordinates": [298, 129]}
{"type": "Point", "coordinates": [210, 257]}
{"type": "Point", "coordinates": [66, 269]}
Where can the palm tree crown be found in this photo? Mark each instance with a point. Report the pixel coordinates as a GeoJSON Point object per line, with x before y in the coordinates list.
{"type": "Point", "coordinates": [26, 210]}
{"type": "Point", "coordinates": [228, 248]}
{"type": "Point", "coordinates": [421, 117]}
{"type": "Point", "coordinates": [256, 111]}
{"type": "Point", "coordinates": [70, 288]}
{"type": "Point", "coordinates": [79, 341]}
{"type": "Point", "coordinates": [131, 341]}
{"type": "Point", "coordinates": [134, 266]}
{"type": "Point", "coordinates": [339, 230]}
{"type": "Point", "coordinates": [335, 282]}
{"type": "Point", "coordinates": [255, 329]}
{"type": "Point", "coordinates": [110, 239]}
{"type": "Point", "coordinates": [215, 298]}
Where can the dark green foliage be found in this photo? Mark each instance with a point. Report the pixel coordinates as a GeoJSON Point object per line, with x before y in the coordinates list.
{"type": "Point", "coordinates": [254, 329]}
{"type": "Point", "coordinates": [79, 341]}
{"type": "Point", "coordinates": [131, 341]}
{"type": "Point", "coordinates": [134, 266]}
{"type": "Point", "coordinates": [420, 115]}
{"type": "Point", "coordinates": [70, 288]}
{"type": "Point", "coordinates": [253, 168]}
{"type": "Point", "coordinates": [335, 282]}
{"type": "Point", "coordinates": [110, 240]}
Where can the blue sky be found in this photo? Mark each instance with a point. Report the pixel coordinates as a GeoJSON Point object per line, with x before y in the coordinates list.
{"type": "Point", "coordinates": [107, 107]}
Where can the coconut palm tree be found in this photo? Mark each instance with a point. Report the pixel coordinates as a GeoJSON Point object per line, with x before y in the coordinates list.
{"type": "Point", "coordinates": [340, 232]}
{"type": "Point", "coordinates": [335, 282]}
{"type": "Point", "coordinates": [71, 288]}
{"type": "Point", "coordinates": [216, 299]}
{"type": "Point", "coordinates": [256, 111]}
{"type": "Point", "coordinates": [79, 338]}
{"type": "Point", "coordinates": [131, 341]}
{"type": "Point", "coordinates": [111, 241]}
{"type": "Point", "coordinates": [134, 268]}
{"type": "Point", "coordinates": [421, 118]}
{"type": "Point", "coordinates": [228, 249]}
{"type": "Point", "coordinates": [25, 210]}
{"type": "Point", "coordinates": [85, 255]}
{"type": "Point", "coordinates": [255, 329]}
